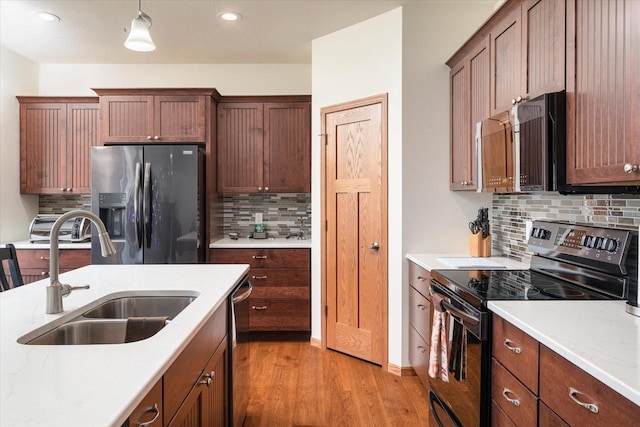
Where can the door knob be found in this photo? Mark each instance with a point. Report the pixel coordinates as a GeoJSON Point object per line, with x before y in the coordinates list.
{"type": "Point", "coordinates": [375, 246]}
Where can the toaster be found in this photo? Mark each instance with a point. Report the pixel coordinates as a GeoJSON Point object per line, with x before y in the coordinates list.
{"type": "Point", "coordinates": [74, 230]}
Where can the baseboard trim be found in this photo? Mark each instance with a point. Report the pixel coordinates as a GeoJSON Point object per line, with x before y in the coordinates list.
{"type": "Point", "coordinates": [316, 342]}
{"type": "Point", "coordinates": [406, 371]}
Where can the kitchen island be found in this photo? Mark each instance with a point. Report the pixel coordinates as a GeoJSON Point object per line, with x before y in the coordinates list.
{"type": "Point", "coordinates": [98, 385]}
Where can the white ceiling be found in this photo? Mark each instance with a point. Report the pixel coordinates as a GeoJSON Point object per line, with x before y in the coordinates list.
{"type": "Point", "coordinates": [184, 31]}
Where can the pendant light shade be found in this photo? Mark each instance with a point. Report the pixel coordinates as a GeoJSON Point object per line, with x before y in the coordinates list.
{"type": "Point", "coordinates": [139, 38]}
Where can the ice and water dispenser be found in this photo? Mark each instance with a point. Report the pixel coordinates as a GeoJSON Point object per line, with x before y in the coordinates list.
{"type": "Point", "coordinates": [113, 211]}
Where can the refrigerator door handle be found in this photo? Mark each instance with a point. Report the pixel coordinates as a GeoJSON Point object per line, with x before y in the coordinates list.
{"type": "Point", "coordinates": [146, 203]}
{"type": "Point", "coordinates": [137, 199]}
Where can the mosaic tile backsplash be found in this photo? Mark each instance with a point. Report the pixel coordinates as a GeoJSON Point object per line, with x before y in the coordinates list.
{"type": "Point", "coordinates": [281, 213]}
{"type": "Point", "coordinates": [510, 212]}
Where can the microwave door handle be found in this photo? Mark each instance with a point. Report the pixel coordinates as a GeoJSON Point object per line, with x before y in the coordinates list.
{"type": "Point", "coordinates": [146, 203]}
{"type": "Point", "coordinates": [137, 198]}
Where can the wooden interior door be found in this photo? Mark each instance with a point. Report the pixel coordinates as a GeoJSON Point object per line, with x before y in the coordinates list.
{"type": "Point", "coordinates": [355, 197]}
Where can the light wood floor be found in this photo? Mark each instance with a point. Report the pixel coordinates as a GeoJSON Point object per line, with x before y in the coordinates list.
{"type": "Point", "coordinates": [295, 384]}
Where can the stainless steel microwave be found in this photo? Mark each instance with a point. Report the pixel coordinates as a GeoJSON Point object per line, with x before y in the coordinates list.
{"type": "Point", "coordinates": [523, 149]}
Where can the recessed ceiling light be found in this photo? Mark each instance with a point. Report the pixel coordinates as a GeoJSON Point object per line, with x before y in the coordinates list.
{"type": "Point", "coordinates": [229, 16]}
{"type": "Point", "coordinates": [47, 16]}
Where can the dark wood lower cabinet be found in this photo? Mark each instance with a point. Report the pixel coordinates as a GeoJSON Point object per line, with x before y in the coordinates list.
{"type": "Point", "coordinates": [34, 263]}
{"type": "Point", "coordinates": [206, 403]}
{"type": "Point", "coordinates": [149, 411]}
{"type": "Point", "coordinates": [281, 279]}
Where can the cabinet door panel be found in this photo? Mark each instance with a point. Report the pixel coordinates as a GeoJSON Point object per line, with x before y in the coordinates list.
{"type": "Point", "coordinates": [603, 62]}
{"type": "Point", "coordinates": [506, 73]}
{"type": "Point", "coordinates": [280, 283]}
{"type": "Point", "coordinates": [461, 173]}
{"type": "Point", "coordinates": [150, 408]}
{"type": "Point", "coordinates": [126, 118]}
{"type": "Point", "coordinates": [180, 119]}
{"type": "Point", "coordinates": [287, 147]}
{"type": "Point", "coordinates": [43, 155]}
{"type": "Point", "coordinates": [262, 258]}
{"type": "Point", "coordinates": [543, 46]}
{"type": "Point", "coordinates": [240, 147]}
{"type": "Point", "coordinates": [194, 411]}
{"type": "Point", "coordinates": [419, 314]}
{"type": "Point", "coordinates": [506, 390]}
{"type": "Point", "coordinates": [419, 356]}
{"type": "Point", "coordinates": [217, 391]}
{"type": "Point", "coordinates": [517, 351]}
{"type": "Point", "coordinates": [279, 315]}
{"type": "Point", "coordinates": [82, 134]}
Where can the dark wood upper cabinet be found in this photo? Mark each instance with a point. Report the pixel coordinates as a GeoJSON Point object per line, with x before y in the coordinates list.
{"type": "Point", "coordinates": [264, 145]}
{"type": "Point", "coordinates": [506, 63]}
{"type": "Point", "coordinates": [156, 116]}
{"type": "Point", "coordinates": [469, 104]}
{"type": "Point", "coordinates": [603, 106]}
{"type": "Point", "coordinates": [516, 55]}
{"type": "Point", "coordinates": [56, 136]}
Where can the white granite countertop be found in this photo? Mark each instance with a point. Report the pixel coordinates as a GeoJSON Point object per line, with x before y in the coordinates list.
{"type": "Point", "coordinates": [597, 336]}
{"type": "Point", "coordinates": [98, 385]}
{"type": "Point", "coordinates": [430, 261]}
{"type": "Point", "coordinates": [26, 244]}
{"type": "Point", "coordinates": [245, 242]}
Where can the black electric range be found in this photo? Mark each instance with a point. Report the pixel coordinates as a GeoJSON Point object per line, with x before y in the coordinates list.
{"type": "Point", "coordinates": [569, 262]}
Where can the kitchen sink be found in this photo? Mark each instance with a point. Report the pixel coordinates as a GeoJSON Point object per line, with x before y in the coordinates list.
{"type": "Point", "coordinates": [105, 321]}
{"type": "Point", "coordinates": [78, 332]}
{"type": "Point", "coordinates": [140, 306]}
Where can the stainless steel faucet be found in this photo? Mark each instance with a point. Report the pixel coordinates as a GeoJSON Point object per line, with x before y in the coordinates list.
{"type": "Point", "coordinates": [56, 290]}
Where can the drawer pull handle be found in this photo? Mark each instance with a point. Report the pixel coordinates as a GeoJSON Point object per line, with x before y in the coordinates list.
{"type": "Point", "coordinates": [590, 406]}
{"type": "Point", "coordinates": [422, 307]}
{"type": "Point", "coordinates": [510, 346]}
{"type": "Point", "coordinates": [505, 393]}
{"type": "Point", "coordinates": [259, 277]}
{"type": "Point", "coordinates": [422, 279]}
{"type": "Point", "coordinates": [422, 349]}
{"type": "Point", "coordinates": [155, 409]}
{"type": "Point", "coordinates": [44, 258]}
{"type": "Point", "coordinates": [259, 257]}
{"type": "Point", "coordinates": [262, 307]}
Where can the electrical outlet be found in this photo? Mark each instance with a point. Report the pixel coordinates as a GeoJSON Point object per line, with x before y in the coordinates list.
{"type": "Point", "coordinates": [528, 225]}
{"type": "Point", "coordinates": [258, 217]}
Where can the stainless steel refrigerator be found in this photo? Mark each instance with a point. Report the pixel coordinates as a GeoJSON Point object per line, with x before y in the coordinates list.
{"type": "Point", "coordinates": [151, 200]}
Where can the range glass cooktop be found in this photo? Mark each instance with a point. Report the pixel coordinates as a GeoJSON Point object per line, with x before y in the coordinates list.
{"type": "Point", "coordinates": [512, 285]}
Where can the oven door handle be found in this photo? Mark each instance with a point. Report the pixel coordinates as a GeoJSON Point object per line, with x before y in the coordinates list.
{"type": "Point", "coordinates": [459, 314]}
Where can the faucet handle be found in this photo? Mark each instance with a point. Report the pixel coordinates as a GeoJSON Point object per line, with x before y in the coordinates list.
{"type": "Point", "coordinates": [67, 289]}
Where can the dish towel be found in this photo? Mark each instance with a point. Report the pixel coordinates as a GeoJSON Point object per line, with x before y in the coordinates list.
{"type": "Point", "coordinates": [458, 353]}
{"type": "Point", "coordinates": [438, 350]}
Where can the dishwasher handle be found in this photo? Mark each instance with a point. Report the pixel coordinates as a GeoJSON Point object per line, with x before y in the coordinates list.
{"type": "Point", "coordinates": [242, 293]}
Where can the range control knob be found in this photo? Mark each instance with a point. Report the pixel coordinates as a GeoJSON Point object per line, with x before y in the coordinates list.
{"type": "Point", "coordinates": [596, 243]}
{"type": "Point", "coordinates": [546, 234]}
{"type": "Point", "coordinates": [611, 245]}
{"type": "Point", "coordinates": [586, 241]}
{"type": "Point", "coordinates": [534, 232]}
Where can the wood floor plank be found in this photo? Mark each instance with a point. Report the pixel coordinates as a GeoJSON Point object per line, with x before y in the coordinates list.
{"type": "Point", "coordinates": [295, 384]}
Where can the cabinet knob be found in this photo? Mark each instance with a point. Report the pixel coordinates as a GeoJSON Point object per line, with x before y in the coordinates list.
{"type": "Point", "coordinates": [505, 393]}
{"type": "Point", "coordinates": [44, 258]}
{"type": "Point", "coordinates": [513, 101]}
{"type": "Point", "coordinates": [422, 307]}
{"type": "Point", "coordinates": [259, 188]}
{"type": "Point", "coordinates": [266, 188]}
{"type": "Point", "coordinates": [259, 257]}
{"type": "Point", "coordinates": [628, 168]}
{"type": "Point", "coordinates": [255, 307]}
{"type": "Point", "coordinates": [156, 138]}
{"type": "Point", "coordinates": [519, 99]}
{"type": "Point", "coordinates": [149, 138]}
{"type": "Point", "coordinates": [422, 349]}
{"type": "Point", "coordinates": [259, 277]}
{"type": "Point", "coordinates": [44, 273]}
{"type": "Point", "coordinates": [512, 347]}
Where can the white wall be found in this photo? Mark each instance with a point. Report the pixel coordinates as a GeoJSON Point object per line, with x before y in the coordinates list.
{"type": "Point", "coordinates": [357, 62]}
{"type": "Point", "coordinates": [228, 79]}
{"type": "Point", "coordinates": [402, 53]}
{"type": "Point", "coordinates": [434, 219]}
{"type": "Point", "coordinates": [18, 76]}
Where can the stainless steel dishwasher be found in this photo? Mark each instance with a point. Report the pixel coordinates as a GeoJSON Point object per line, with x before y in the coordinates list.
{"type": "Point", "coordinates": [240, 352]}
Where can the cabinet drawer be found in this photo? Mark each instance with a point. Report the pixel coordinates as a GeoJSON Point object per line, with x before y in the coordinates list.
{"type": "Point", "coordinates": [498, 417]}
{"type": "Point", "coordinates": [149, 409]}
{"type": "Point", "coordinates": [419, 278]}
{"type": "Point", "coordinates": [40, 258]}
{"type": "Point", "coordinates": [279, 314]}
{"type": "Point", "coordinates": [277, 283]}
{"type": "Point", "coordinates": [512, 396]}
{"type": "Point", "coordinates": [516, 351]}
{"type": "Point", "coordinates": [548, 418]}
{"type": "Point", "coordinates": [563, 385]}
{"type": "Point", "coordinates": [419, 356]}
{"type": "Point", "coordinates": [419, 314]}
{"type": "Point", "coordinates": [187, 368]}
{"type": "Point", "coordinates": [262, 258]}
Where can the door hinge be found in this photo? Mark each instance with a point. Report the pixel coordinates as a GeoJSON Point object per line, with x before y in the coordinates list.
{"type": "Point", "coordinates": [326, 225]}
{"type": "Point", "coordinates": [325, 137]}
{"type": "Point", "coordinates": [326, 310]}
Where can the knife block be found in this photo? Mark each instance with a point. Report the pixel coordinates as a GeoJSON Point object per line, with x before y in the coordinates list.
{"type": "Point", "coordinates": [479, 247]}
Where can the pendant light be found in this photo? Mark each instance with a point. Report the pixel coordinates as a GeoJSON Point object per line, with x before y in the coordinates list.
{"type": "Point", "coordinates": [139, 38]}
